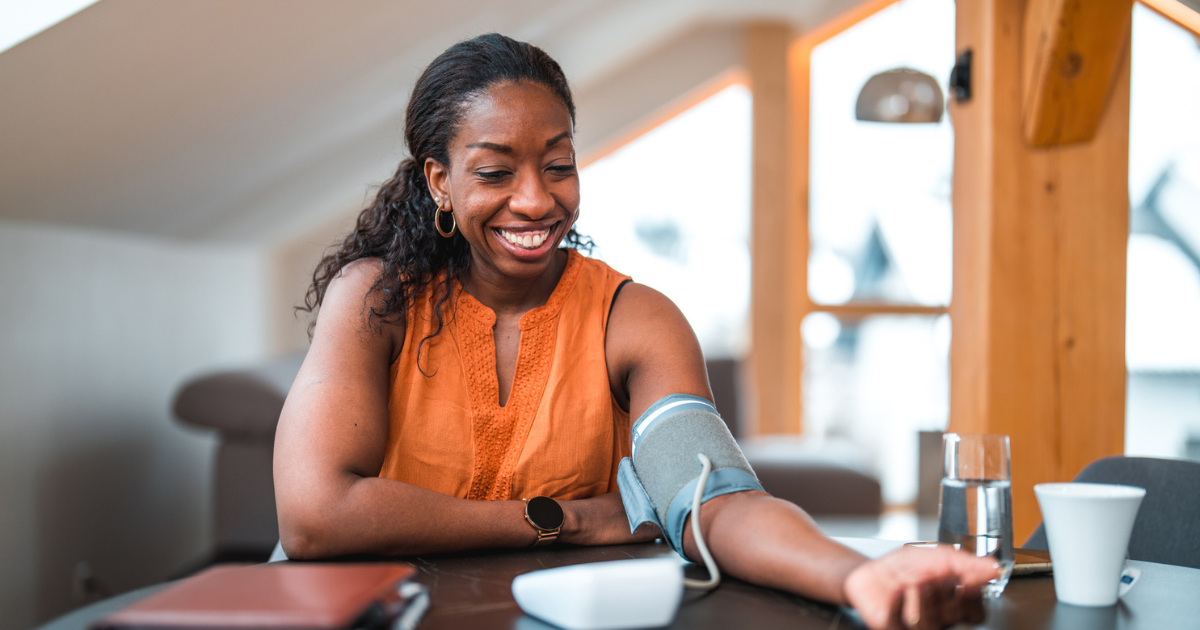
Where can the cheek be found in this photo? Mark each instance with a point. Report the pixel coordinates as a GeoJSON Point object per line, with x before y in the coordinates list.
{"type": "Point", "coordinates": [477, 206]}
{"type": "Point", "coordinates": [569, 197]}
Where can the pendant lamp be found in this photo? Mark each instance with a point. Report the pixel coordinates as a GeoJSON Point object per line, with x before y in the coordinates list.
{"type": "Point", "coordinates": [902, 95]}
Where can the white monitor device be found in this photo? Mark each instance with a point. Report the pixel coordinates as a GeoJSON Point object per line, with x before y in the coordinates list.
{"type": "Point", "coordinates": [604, 595]}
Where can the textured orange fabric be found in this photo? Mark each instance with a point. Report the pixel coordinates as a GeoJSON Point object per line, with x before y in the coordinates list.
{"type": "Point", "coordinates": [561, 433]}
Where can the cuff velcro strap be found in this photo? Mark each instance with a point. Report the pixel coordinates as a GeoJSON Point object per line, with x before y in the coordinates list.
{"type": "Point", "coordinates": [724, 481]}
{"type": "Point", "coordinates": [637, 505]}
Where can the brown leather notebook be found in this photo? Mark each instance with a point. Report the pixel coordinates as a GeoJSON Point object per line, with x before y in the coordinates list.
{"type": "Point", "coordinates": [279, 595]}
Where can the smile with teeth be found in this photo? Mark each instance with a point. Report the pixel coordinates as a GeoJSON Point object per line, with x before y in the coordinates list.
{"type": "Point", "coordinates": [525, 240]}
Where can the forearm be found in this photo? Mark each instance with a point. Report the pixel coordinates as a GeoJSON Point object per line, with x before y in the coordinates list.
{"type": "Point", "coordinates": [357, 515]}
{"type": "Point", "coordinates": [771, 542]}
{"type": "Point", "coordinates": [601, 520]}
{"type": "Point", "coordinates": [382, 516]}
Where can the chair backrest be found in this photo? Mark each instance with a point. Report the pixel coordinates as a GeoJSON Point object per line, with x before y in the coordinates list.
{"type": "Point", "coordinates": [1167, 529]}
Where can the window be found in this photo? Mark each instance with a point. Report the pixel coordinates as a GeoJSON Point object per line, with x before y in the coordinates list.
{"type": "Point", "coordinates": [1162, 339]}
{"type": "Point", "coordinates": [672, 209]}
{"type": "Point", "coordinates": [876, 344]}
{"type": "Point", "coordinates": [879, 201]}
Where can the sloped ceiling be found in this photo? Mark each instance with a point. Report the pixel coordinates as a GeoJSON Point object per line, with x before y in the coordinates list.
{"type": "Point", "coordinates": [251, 121]}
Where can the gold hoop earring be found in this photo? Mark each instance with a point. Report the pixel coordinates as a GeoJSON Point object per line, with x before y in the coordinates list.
{"type": "Point", "coordinates": [437, 222]}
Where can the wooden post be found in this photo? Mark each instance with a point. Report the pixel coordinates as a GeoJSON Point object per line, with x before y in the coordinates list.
{"type": "Point", "coordinates": [774, 294]}
{"type": "Point", "coordinates": [1040, 237]}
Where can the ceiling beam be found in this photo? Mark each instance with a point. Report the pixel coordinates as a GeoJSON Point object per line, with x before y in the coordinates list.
{"type": "Point", "coordinates": [1072, 50]}
{"type": "Point", "coordinates": [1186, 16]}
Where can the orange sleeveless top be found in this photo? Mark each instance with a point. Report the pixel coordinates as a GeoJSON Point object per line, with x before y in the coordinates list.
{"type": "Point", "coordinates": [561, 433]}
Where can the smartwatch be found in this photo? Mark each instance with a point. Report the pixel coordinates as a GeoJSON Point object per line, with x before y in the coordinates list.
{"type": "Point", "coordinates": [546, 518]}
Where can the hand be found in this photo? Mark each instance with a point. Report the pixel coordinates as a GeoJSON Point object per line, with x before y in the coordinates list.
{"type": "Point", "coordinates": [919, 588]}
{"type": "Point", "coordinates": [601, 521]}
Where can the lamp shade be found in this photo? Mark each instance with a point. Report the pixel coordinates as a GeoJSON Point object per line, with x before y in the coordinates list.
{"type": "Point", "coordinates": [902, 95]}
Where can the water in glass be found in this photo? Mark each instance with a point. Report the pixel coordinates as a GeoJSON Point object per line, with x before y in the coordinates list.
{"type": "Point", "coordinates": [976, 516]}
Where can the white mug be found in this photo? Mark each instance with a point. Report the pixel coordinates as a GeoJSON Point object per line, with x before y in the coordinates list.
{"type": "Point", "coordinates": [1088, 527]}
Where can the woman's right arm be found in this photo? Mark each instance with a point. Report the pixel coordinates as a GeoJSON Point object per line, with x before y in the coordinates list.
{"type": "Point", "coordinates": [330, 445]}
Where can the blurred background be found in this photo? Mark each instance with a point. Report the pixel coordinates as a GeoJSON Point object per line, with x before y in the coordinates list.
{"type": "Point", "coordinates": [171, 172]}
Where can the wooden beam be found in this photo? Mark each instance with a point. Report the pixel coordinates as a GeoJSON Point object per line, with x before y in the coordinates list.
{"type": "Point", "coordinates": [775, 339]}
{"type": "Point", "coordinates": [1071, 53]}
{"type": "Point", "coordinates": [798, 70]}
{"type": "Point", "coordinates": [1040, 239]}
{"type": "Point", "coordinates": [1177, 12]}
{"type": "Point", "coordinates": [843, 21]}
{"type": "Point", "coordinates": [680, 105]}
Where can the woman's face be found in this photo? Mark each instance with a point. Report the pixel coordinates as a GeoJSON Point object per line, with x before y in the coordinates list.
{"type": "Point", "coordinates": [511, 181]}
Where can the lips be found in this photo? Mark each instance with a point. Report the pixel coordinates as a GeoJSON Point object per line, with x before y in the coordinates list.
{"type": "Point", "coordinates": [527, 244]}
{"type": "Point", "coordinates": [531, 239]}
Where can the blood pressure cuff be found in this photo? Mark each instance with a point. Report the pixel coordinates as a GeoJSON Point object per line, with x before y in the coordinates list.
{"type": "Point", "coordinates": [658, 482]}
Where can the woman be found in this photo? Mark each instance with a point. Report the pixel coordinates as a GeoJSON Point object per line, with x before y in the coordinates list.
{"type": "Point", "coordinates": [462, 361]}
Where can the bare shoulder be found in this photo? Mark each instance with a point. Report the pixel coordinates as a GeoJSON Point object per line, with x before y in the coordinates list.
{"type": "Point", "coordinates": [345, 312]}
{"type": "Point", "coordinates": [651, 350]}
{"type": "Point", "coordinates": [641, 312]}
{"type": "Point", "coordinates": [353, 285]}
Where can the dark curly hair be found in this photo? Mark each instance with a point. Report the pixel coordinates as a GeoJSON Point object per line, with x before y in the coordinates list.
{"type": "Point", "coordinates": [397, 227]}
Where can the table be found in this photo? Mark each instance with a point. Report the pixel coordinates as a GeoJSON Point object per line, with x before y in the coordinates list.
{"type": "Point", "coordinates": [474, 591]}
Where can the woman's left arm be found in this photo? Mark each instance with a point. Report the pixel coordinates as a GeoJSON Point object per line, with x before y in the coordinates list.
{"type": "Point", "coordinates": [652, 353]}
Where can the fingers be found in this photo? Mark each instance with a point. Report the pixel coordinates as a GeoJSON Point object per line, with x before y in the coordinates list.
{"type": "Point", "coordinates": [970, 601]}
{"type": "Point", "coordinates": [971, 571]}
{"type": "Point", "coordinates": [877, 594]}
{"type": "Point", "coordinates": [920, 589]}
{"type": "Point", "coordinates": [952, 603]}
{"type": "Point", "coordinates": [916, 603]}
{"type": "Point", "coordinates": [931, 605]}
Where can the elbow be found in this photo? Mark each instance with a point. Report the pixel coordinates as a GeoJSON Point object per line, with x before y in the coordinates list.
{"type": "Point", "coordinates": [302, 541]}
{"type": "Point", "coordinates": [307, 534]}
{"type": "Point", "coordinates": [313, 523]}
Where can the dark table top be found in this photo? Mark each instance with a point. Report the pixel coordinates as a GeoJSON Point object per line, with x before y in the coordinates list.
{"type": "Point", "coordinates": [474, 591]}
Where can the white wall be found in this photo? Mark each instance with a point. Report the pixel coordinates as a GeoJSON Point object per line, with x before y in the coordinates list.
{"type": "Point", "coordinates": [290, 264]}
{"type": "Point", "coordinates": [98, 331]}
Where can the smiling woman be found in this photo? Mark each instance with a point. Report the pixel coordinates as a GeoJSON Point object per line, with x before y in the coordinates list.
{"type": "Point", "coordinates": [471, 384]}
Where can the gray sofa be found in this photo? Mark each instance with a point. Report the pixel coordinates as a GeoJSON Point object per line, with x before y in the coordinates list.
{"type": "Point", "coordinates": [243, 407]}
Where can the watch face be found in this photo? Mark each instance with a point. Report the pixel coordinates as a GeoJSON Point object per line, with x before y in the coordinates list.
{"type": "Point", "coordinates": [544, 512]}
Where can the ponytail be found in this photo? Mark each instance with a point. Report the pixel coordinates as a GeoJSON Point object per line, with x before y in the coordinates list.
{"type": "Point", "coordinates": [397, 228]}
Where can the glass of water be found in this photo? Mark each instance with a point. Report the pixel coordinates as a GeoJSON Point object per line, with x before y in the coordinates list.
{"type": "Point", "coordinates": [975, 511]}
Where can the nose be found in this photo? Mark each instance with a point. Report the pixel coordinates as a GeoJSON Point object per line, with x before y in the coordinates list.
{"type": "Point", "coordinates": [531, 197]}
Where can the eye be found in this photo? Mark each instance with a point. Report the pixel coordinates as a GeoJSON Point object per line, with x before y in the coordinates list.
{"type": "Point", "coordinates": [491, 175]}
{"type": "Point", "coordinates": [562, 169]}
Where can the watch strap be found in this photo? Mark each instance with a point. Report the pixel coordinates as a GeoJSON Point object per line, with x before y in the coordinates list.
{"type": "Point", "coordinates": [546, 537]}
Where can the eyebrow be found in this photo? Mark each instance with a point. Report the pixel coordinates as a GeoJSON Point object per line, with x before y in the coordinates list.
{"type": "Point", "coordinates": [556, 139]}
{"type": "Point", "coordinates": [504, 148]}
{"type": "Point", "coordinates": [491, 146]}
